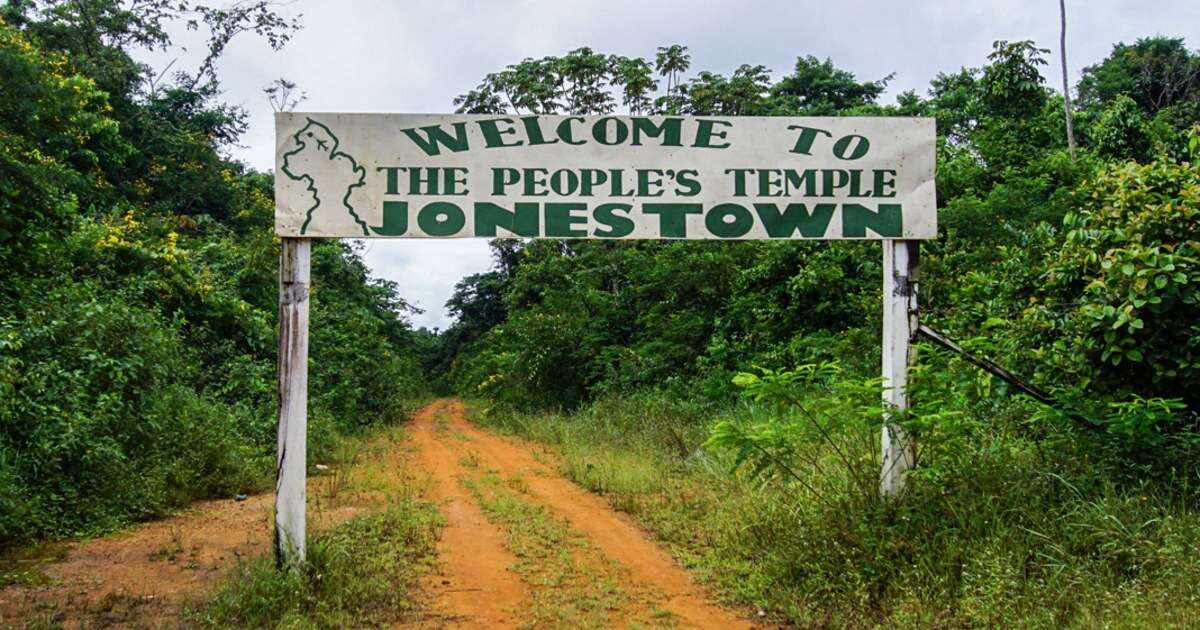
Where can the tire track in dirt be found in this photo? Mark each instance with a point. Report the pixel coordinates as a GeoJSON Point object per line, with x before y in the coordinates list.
{"type": "Point", "coordinates": [617, 536]}
{"type": "Point", "coordinates": [473, 586]}
{"type": "Point", "coordinates": [145, 577]}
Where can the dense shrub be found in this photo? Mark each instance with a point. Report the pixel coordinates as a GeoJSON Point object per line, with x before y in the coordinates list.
{"type": "Point", "coordinates": [138, 294]}
{"type": "Point", "coordinates": [100, 423]}
{"type": "Point", "coordinates": [1131, 259]}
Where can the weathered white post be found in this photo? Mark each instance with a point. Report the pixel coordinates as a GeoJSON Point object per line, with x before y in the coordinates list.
{"type": "Point", "coordinates": [900, 267]}
{"type": "Point", "coordinates": [290, 465]}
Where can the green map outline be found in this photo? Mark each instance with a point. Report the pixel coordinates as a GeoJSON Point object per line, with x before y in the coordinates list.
{"type": "Point", "coordinates": [334, 153]}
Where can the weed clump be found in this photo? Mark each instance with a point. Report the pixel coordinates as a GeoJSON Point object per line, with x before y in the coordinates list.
{"type": "Point", "coordinates": [360, 574]}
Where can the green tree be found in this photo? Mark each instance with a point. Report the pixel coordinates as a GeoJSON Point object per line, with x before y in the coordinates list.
{"type": "Point", "coordinates": [818, 88]}
{"type": "Point", "coordinates": [138, 281]}
{"type": "Point", "coordinates": [710, 94]}
{"type": "Point", "coordinates": [670, 62]}
{"type": "Point", "coordinates": [1131, 260]}
{"type": "Point", "coordinates": [1156, 72]}
{"type": "Point", "coordinates": [636, 79]}
{"type": "Point", "coordinates": [584, 76]}
{"type": "Point", "coordinates": [1012, 83]}
{"type": "Point", "coordinates": [1120, 131]}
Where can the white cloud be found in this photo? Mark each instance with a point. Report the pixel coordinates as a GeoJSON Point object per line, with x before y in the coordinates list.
{"type": "Point", "coordinates": [426, 270]}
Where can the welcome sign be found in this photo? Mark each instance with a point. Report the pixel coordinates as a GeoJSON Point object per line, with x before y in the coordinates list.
{"type": "Point", "coordinates": [603, 177]}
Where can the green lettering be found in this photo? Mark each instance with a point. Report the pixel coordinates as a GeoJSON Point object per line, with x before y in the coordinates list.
{"type": "Point", "coordinates": [856, 184]}
{"type": "Point", "coordinates": [672, 217]}
{"type": "Point", "coordinates": [883, 183]}
{"type": "Point", "coordinates": [451, 182]}
{"type": "Point", "coordinates": [687, 179]}
{"type": "Point", "coordinates": [564, 182]}
{"type": "Point", "coordinates": [560, 222]}
{"type": "Point", "coordinates": [616, 184]}
{"type": "Point", "coordinates": [728, 220]}
{"type": "Point", "coordinates": [831, 180]}
{"type": "Point", "coordinates": [887, 223]}
{"type": "Point", "coordinates": [671, 129]}
{"type": "Point", "coordinates": [859, 150]}
{"type": "Point", "coordinates": [739, 180]}
{"type": "Point", "coordinates": [393, 178]}
{"type": "Point", "coordinates": [766, 184]}
{"type": "Point", "coordinates": [423, 181]}
{"type": "Point", "coordinates": [644, 183]}
{"type": "Point", "coordinates": [601, 134]}
{"type": "Point", "coordinates": [807, 136]}
{"type": "Point", "coordinates": [535, 187]}
{"type": "Point", "coordinates": [565, 133]}
{"type": "Point", "coordinates": [795, 216]}
{"type": "Point", "coordinates": [502, 178]}
{"type": "Point", "coordinates": [705, 134]}
{"type": "Point", "coordinates": [523, 221]}
{"type": "Point", "coordinates": [436, 138]}
{"type": "Point", "coordinates": [618, 226]}
{"type": "Point", "coordinates": [441, 218]}
{"type": "Point", "coordinates": [395, 219]}
{"type": "Point", "coordinates": [803, 182]}
{"type": "Point", "coordinates": [592, 177]}
{"type": "Point", "coordinates": [534, 131]}
{"type": "Point", "coordinates": [493, 135]}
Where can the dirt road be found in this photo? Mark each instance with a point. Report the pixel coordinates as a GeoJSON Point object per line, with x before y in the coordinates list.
{"type": "Point", "coordinates": [146, 576]}
{"type": "Point", "coordinates": [478, 587]}
{"type": "Point", "coordinates": [522, 546]}
{"type": "Point", "coordinates": [140, 578]}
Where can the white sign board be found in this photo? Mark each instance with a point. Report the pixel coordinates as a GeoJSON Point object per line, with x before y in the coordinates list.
{"type": "Point", "coordinates": [603, 177]}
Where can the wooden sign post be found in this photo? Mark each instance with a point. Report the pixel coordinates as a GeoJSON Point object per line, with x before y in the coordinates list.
{"type": "Point", "coordinates": [900, 267]}
{"type": "Point", "coordinates": [295, 255]}
{"type": "Point", "coordinates": [340, 175]}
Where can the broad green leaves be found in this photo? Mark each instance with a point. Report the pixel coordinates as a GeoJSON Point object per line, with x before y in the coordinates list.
{"type": "Point", "coordinates": [1132, 249]}
{"type": "Point", "coordinates": [816, 421]}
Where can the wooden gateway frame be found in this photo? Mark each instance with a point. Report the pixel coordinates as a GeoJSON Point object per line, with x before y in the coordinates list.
{"type": "Point", "coordinates": [381, 196]}
{"type": "Point", "coordinates": [291, 461]}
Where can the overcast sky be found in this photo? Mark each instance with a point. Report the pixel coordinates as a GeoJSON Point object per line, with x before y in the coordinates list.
{"type": "Point", "coordinates": [416, 56]}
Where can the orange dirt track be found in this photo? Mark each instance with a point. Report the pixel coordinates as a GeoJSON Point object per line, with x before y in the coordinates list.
{"type": "Point", "coordinates": [145, 577]}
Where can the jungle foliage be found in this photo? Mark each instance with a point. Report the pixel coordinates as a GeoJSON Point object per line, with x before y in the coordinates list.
{"type": "Point", "coordinates": [724, 393]}
{"type": "Point", "coordinates": [138, 279]}
{"type": "Point", "coordinates": [727, 394]}
{"type": "Point", "coordinates": [1080, 271]}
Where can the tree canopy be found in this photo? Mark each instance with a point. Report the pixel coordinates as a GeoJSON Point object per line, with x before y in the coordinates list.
{"type": "Point", "coordinates": [1030, 256]}
{"type": "Point", "coordinates": [138, 278]}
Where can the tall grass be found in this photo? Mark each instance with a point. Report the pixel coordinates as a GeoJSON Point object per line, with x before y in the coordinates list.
{"type": "Point", "coordinates": [359, 574]}
{"type": "Point", "coordinates": [996, 530]}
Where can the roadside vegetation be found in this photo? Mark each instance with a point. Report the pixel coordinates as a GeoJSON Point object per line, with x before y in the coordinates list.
{"type": "Point", "coordinates": [361, 574]}
{"type": "Point", "coordinates": [138, 279]}
{"type": "Point", "coordinates": [996, 532]}
{"type": "Point", "coordinates": [727, 394]}
{"type": "Point", "coordinates": [724, 394]}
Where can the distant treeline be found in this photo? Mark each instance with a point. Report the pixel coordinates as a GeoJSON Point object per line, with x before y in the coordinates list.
{"type": "Point", "coordinates": [1081, 272]}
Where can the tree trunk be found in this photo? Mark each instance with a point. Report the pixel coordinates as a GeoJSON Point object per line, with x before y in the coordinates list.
{"type": "Point", "coordinates": [1062, 43]}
